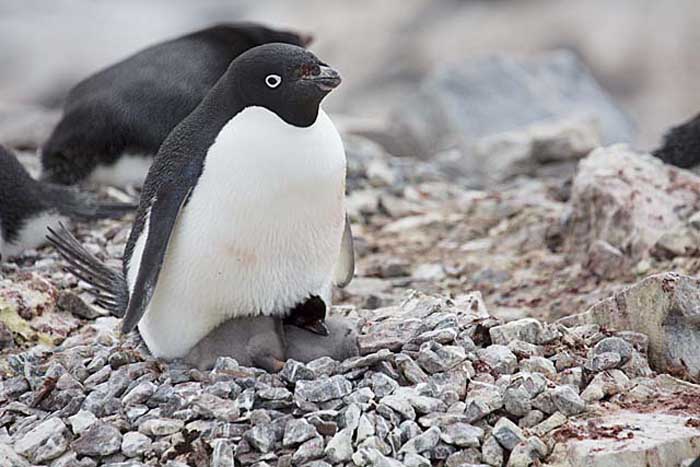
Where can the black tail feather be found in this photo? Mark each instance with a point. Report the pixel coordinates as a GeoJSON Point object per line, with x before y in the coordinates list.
{"type": "Point", "coordinates": [84, 206]}
{"type": "Point", "coordinates": [108, 285]}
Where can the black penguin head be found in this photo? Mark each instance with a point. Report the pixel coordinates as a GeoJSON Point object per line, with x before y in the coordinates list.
{"type": "Point", "coordinates": [285, 79]}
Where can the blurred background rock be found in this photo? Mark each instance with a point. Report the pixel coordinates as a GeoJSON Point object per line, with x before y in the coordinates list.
{"type": "Point", "coordinates": [643, 52]}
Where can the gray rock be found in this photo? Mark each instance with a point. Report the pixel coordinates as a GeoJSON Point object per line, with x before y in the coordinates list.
{"type": "Point", "coordinates": [101, 439]}
{"type": "Point", "coordinates": [605, 208]}
{"type": "Point", "coordinates": [662, 437]}
{"type": "Point", "coordinates": [415, 460]}
{"type": "Point", "coordinates": [70, 459]}
{"type": "Point", "coordinates": [410, 370]}
{"type": "Point", "coordinates": [161, 426]}
{"type": "Point", "coordinates": [491, 452]}
{"type": "Point", "coordinates": [532, 418]}
{"type": "Point", "coordinates": [664, 307]}
{"type": "Point", "coordinates": [422, 443]}
{"type": "Point", "coordinates": [382, 385]}
{"type": "Point", "coordinates": [458, 100]}
{"type": "Point", "coordinates": [262, 437]}
{"type": "Point", "coordinates": [44, 442]}
{"type": "Point", "coordinates": [81, 421]}
{"type": "Point", "coordinates": [373, 457]}
{"type": "Point", "coordinates": [521, 456]}
{"type": "Point", "coordinates": [436, 358]}
{"type": "Point", "coordinates": [139, 394]}
{"type": "Point", "coordinates": [294, 371]}
{"type": "Point", "coordinates": [339, 448]}
{"type": "Point", "coordinates": [605, 384]}
{"type": "Point", "coordinates": [526, 330]}
{"type": "Point", "coordinates": [522, 349]}
{"type": "Point", "coordinates": [567, 401]}
{"type": "Point", "coordinates": [539, 365]}
{"type": "Point", "coordinates": [323, 389]}
{"type": "Point", "coordinates": [517, 401]}
{"type": "Point", "coordinates": [482, 399]}
{"type": "Point", "coordinates": [296, 431]}
{"type": "Point", "coordinates": [556, 420]}
{"type": "Point", "coordinates": [603, 361]}
{"type": "Point", "coordinates": [135, 444]}
{"type": "Point", "coordinates": [311, 449]}
{"type": "Point", "coordinates": [9, 457]}
{"type": "Point", "coordinates": [469, 457]}
{"type": "Point", "coordinates": [401, 405]}
{"type": "Point", "coordinates": [499, 358]}
{"type": "Point", "coordinates": [222, 454]}
{"type": "Point", "coordinates": [507, 433]}
{"type": "Point", "coordinates": [462, 435]}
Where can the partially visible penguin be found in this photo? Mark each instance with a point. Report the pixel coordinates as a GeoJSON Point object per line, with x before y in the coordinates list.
{"type": "Point", "coordinates": [681, 145]}
{"type": "Point", "coordinates": [261, 342]}
{"type": "Point", "coordinates": [242, 212]}
{"type": "Point", "coordinates": [115, 120]}
{"type": "Point", "coordinates": [258, 341]}
{"type": "Point", "coordinates": [339, 344]}
{"type": "Point", "coordinates": [28, 207]}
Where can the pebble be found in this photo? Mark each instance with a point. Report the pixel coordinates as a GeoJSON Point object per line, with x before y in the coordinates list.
{"type": "Point", "coordinates": [135, 444]}
{"type": "Point", "coordinates": [44, 442]}
{"type": "Point", "coordinates": [101, 439]}
{"type": "Point", "coordinates": [567, 401]}
{"type": "Point", "coordinates": [449, 392]}
{"type": "Point", "coordinates": [507, 433]}
{"type": "Point", "coordinates": [161, 426]}
{"type": "Point", "coordinates": [526, 330]}
{"type": "Point", "coordinates": [339, 448]}
{"type": "Point", "coordinates": [296, 431]}
{"type": "Point", "coordinates": [462, 435]}
{"type": "Point", "coordinates": [323, 389]}
{"type": "Point", "coordinates": [423, 442]}
{"type": "Point", "coordinates": [81, 421]}
{"type": "Point", "coordinates": [499, 358]}
{"type": "Point", "coordinates": [311, 449]}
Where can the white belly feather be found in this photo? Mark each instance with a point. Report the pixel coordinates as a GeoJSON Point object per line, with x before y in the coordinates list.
{"type": "Point", "coordinates": [262, 230]}
{"type": "Point", "coordinates": [31, 235]}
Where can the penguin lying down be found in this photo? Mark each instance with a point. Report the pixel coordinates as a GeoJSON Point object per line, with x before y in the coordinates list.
{"type": "Point", "coordinates": [115, 120]}
{"type": "Point", "coordinates": [266, 342]}
{"type": "Point", "coordinates": [28, 207]}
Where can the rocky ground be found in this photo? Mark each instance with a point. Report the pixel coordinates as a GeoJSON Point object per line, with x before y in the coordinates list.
{"type": "Point", "coordinates": [497, 327]}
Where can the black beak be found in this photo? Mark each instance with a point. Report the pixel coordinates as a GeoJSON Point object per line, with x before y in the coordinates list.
{"type": "Point", "coordinates": [317, 327]}
{"type": "Point", "coordinates": [327, 80]}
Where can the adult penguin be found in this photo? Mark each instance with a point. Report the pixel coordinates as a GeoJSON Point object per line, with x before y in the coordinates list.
{"type": "Point", "coordinates": [115, 120]}
{"type": "Point", "coordinates": [241, 214]}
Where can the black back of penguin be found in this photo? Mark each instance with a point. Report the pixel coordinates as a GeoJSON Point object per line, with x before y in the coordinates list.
{"type": "Point", "coordinates": [133, 105]}
{"type": "Point", "coordinates": [681, 144]}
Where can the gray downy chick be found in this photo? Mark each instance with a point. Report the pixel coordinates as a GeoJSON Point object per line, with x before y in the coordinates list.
{"type": "Point", "coordinates": [255, 341]}
{"type": "Point", "coordinates": [260, 342]}
{"type": "Point", "coordinates": [340, 343]}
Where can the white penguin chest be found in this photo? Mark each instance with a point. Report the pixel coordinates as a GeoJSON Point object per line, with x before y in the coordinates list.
{"type": "Point", "coordinates": [262, 229]}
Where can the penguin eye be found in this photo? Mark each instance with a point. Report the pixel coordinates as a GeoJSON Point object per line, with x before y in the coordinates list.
{"type": "Point", "coordinates": [273, 81]}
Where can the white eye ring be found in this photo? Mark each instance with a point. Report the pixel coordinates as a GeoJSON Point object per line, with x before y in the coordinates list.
{"type": "Point", "coordinates": [273, 81]}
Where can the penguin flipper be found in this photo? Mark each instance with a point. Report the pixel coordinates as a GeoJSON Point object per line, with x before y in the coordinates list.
{"type": "Point", "coordinates": [164, 212]}
{"type": "Point", "coordinates": [345, 267]}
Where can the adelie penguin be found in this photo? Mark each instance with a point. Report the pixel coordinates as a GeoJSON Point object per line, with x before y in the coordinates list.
{"type": "Point", "coordinates": [115, 120]}
{"type": "Point", "coordinates": [241, 214]}
{"type": "Point", "coordinates": [28, 207]}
